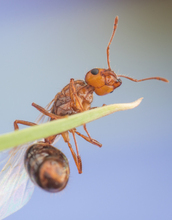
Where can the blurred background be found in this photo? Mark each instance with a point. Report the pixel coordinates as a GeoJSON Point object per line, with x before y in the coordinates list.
{"type": "Point", "coordinates": [44, 43]}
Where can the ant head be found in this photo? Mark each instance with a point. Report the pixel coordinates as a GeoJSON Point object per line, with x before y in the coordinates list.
{"type": "Point", "coordinates": [104, 81]}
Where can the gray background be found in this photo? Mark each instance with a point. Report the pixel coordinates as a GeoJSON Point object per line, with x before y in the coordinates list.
{"type": "Point", "coordinates": [45, 43]}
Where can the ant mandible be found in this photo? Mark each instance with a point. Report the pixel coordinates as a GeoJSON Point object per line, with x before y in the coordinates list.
{"type": "Point", "coordinates": [77, 97]}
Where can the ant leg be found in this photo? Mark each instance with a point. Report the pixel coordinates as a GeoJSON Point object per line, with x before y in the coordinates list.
{"type": "Point", "coordinates": [76, 100]}
{"type": "Point", "coordinates": [96, 107]}
{"type": "Point", "coordinates": [77, 157]}
{"type": "Point", "coordinates": [47, 113]}
{"type": "Point", "coordinates": [77, 152]}
{"type": "Point", "coordinates": [16, 122]}
{"type": "Point", "coordinates": [93, 108]}
{"type": "Point", "coordinates": [92, 141]}
{"type": "Point", "coordinates": [49, 140]}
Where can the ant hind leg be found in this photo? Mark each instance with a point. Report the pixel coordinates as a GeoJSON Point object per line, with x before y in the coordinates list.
{"type": "Point", "coordinates": [16, 122]}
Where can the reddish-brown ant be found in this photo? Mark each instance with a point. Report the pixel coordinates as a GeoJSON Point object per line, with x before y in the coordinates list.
{"type": "Point", "coordinates": [47, 166]}
{"type": "Point", "coordinates": [77, 97]}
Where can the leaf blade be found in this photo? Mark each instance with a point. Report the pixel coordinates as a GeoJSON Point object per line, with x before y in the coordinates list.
{"type": "Point", "coordinates": [23, 136]}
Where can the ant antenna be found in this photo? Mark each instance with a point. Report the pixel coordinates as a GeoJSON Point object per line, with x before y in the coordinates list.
{"type": "Point", "coordinates": [113, 33]}
{"type": "Point", "coordinates": [139, 80]}
{"type": "Point", "coordinates": [107, 51]}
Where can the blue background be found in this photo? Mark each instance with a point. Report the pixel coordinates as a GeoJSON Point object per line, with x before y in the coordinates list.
{"type": "Point", "coordinates": [45, 43]}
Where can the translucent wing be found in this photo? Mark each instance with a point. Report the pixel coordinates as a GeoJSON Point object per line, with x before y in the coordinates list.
{"type": "Point", "coordinates": [15, 186]}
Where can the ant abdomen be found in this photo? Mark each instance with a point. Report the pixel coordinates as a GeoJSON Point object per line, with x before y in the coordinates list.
{"type": "Point", "coordinates": [47, 167]}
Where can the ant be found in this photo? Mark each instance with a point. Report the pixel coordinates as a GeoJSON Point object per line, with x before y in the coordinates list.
{"type": "Point", "coordinates": [77, 97]}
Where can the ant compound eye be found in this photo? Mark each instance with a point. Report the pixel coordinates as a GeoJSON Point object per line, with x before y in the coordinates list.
{"type": "Point", "coordinates": [94, 71]}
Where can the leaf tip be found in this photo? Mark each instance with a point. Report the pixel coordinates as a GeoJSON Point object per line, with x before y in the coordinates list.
{"type": "Point", "coordinates": [137, 102]}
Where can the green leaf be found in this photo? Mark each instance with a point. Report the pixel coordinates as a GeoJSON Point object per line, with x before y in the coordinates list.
{"type": "Point", "coordinates": [36, 132]}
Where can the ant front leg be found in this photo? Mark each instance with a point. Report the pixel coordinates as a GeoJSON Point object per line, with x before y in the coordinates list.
{"type": "Point", "coordinates": [16, 122]}
{"type": "Point", "coordinates": [96, 107]}
{"type": "Point", "coordinates": [49, 140]}
{"type": "Point", "coordinates": [89, 139]}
